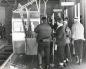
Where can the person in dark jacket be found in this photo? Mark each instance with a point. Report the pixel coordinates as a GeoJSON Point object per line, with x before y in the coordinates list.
{"type": "Point", "coordinates": [43, 31]}
{"type": "Point", "coordinates": [61, 42]}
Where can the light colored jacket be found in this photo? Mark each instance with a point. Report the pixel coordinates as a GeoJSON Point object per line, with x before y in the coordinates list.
{"type": "Point", "coordinates": [77, 31]}
{"type": "Point", "coordinates": [68, 35]}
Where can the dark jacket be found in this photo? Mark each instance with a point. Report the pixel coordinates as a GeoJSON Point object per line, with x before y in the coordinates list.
{"type": "Point", "coordinates": [60, 36]}
{"type": "Point", "coordinates": [43, 31]}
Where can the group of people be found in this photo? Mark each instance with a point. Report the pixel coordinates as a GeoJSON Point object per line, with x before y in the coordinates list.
{"type": "Point", "coordinates": [63, 37]}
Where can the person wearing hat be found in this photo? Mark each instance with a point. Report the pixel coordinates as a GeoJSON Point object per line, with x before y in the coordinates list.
{"type": "Point", "coordinates": [43, 31]}
{"type": "Point", "coordinates": [77, 38]}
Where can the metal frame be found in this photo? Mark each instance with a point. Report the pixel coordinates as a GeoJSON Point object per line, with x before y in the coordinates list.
{"type": "Point", "coordinates": [21, 12]}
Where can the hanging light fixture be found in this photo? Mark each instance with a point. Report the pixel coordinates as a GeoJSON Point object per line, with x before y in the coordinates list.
{"type": "Point", "coordinates": [67, 3]}
{"type": "Point", "coordinates": [57, 10]}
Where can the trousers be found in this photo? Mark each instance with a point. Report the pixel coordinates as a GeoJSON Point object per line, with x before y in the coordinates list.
{"type": "Point", "coordinates": [78, 44]}
{"type": "Point", "coordinates": [44, 47]}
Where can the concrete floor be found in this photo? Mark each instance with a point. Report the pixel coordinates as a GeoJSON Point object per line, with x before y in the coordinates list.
{"type": "Point", "coordinates": [30, 62]}
{"type": "Point", "coordinates": [76, 66]}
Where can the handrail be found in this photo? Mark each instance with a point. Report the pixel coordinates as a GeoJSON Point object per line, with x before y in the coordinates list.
{"type": "Point", "coordinates": [4, 64]}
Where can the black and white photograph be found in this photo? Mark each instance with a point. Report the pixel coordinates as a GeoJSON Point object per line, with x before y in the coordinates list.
{"type": "Point", "coordinates": [42, 34]}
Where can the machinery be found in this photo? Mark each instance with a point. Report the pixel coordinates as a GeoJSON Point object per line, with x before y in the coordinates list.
{"type": "Point", "coordinates": [24, 21]}
{"type": "Point", "coordinates": [23, 25]}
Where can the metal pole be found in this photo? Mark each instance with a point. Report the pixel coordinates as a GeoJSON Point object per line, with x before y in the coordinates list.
{"type": "Point", "coordinates": [53, 49]}
{"type": "Point", "coordinates": [27, 23]}
{"type": "Point", "coordinates": [39, 9]}
{"type": "Point", "coordinates": [52, 65]}
{"type": "Point", "coordinates": [24, 32]}
{"type": "Point", "coordinates": [45, 7]}
{"type": "Point", "coordinates": [45, 10]}
{"type": "Point", "coordinates": [37, 5]}
{"type": "Point", "coordinates": [22, 18]}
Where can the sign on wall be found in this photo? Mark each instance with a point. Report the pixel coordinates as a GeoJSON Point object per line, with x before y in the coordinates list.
{"type": "Point", "coordinates": [18, 26]}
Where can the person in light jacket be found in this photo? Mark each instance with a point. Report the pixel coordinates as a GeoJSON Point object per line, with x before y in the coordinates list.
{"type": "Point", "coordinates": [77, 38]}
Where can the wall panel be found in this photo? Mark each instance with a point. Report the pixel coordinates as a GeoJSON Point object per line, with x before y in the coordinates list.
{"type": "Point", "coordinates": [83, 14]}
{"type": "Point", "coordinates": [8, 22]}
{"type": "Point", "coordinates": [2, 15]}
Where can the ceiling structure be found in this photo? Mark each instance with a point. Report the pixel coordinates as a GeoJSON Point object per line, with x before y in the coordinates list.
{"type": "Point", "coordinates": [51, 4]}
{"type": "Point", "coordinates": [19, 1]}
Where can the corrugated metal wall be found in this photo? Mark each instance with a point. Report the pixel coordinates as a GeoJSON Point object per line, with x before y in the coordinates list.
{"type": "Point", "coordinates": [83, 14]}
